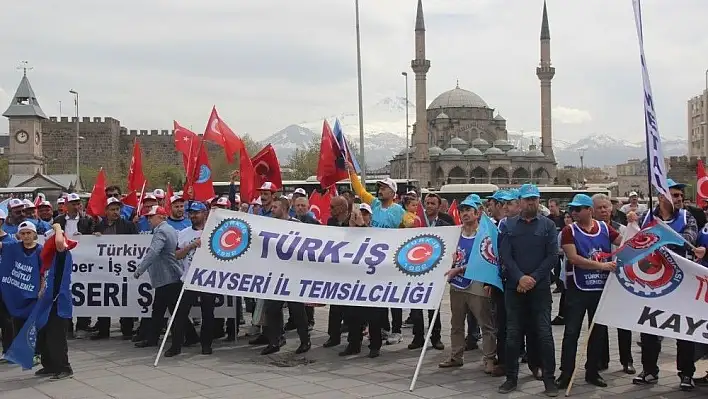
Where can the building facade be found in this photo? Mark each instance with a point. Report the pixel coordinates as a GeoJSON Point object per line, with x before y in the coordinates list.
{"type": "Point", "coordinates": [459, 138]}
{"type": "Point", "coordinates": [697, 122]}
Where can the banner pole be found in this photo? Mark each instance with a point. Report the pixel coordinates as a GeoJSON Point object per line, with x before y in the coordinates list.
{"type": "Point", "coordinates": [425, 345]}
{"type": "Point", "coordinates": [169, 326]}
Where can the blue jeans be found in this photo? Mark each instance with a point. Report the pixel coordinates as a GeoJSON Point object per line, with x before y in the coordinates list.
{"type": "Point", "coordinates": [531, 310]}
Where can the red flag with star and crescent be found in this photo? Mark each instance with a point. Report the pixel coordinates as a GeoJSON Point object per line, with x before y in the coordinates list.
{"type": "Point", "coordinates": [218, 132]}
{"type": "Point", "coordinates": [185, 143]}
{"type": "Point", "coordinates": [455, 213]}
{"type": "Point", "coordinates": [702, 185]}
{"type": "Point", "coordinates": [96, 205]}
{"type": "Point", "coordinates": [136, 177]}
{"type": "Point", "coordinates": [330, 166]}
{"type": "Point", "coordinates": [320, 203]}
{"type": "Point", "coordinates": [267, 167]}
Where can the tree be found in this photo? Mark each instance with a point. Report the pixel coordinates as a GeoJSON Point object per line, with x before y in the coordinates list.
{"type": "Point", "coordinates": [304, 162]}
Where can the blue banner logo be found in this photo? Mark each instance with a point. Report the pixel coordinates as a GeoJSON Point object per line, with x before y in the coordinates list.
{"type": "Point", "coordinates": [652, 277]}
{"type": "Point", "coordinates": [419, 255]}
{"type": "Point", "coordinates": [230, 239]}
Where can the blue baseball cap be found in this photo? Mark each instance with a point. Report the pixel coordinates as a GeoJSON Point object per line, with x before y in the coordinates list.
{"type": "Point", "coordinates": [581, 200]}
{"type": "Point", "coordinates": [196, 206]}
{"type": "Point", "coordinates": [497, 196]}
{"type": "Point", "coordinates": [475, 198]}
{"type": "Point", "coordinates": [529, 191]}
{"type": "Point", "coordinates": [672, 184]}
{"type": "Point", "coordinates": [471, 201]}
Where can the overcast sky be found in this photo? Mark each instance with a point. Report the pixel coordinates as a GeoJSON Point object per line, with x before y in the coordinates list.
{"type": "Point", "coordinates": [270, 63]}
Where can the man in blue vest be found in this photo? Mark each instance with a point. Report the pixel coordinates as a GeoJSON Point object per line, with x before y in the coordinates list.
{"type": "Point", "coordinates": [584, 243]}
{"type": "Point", "coordinates": [684, 223]}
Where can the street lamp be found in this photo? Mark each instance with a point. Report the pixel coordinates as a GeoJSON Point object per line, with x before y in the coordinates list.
{"type": "Point", "coordinates": [408, 146]}
{"type": "Point", "coordinates": [78, 136]}
{"type": "Point", "coordinates": [361, 102]}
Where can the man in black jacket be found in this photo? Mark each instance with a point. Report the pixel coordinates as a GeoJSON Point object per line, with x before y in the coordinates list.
{"type": "Point", "coordinates": [303, 214]}
{"type": "Point", "coordinates": [339, 217]}
{"type": "Point", "coordinates": [112, 224]}
{"type": "Point", "coordinates": [74, 222]}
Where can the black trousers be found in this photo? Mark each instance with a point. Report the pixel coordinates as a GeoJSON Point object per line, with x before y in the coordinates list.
{"type": "Point", "coordinates": [419, 325]}
{"type": "Point", "coordinates": [500, 317]}
{"type": "Point", "coordinates": [556, 271]}
{"type": "Point", "coordinates": [182, 324]}
{"type": "Point", "coordinates": [394, 326]}
{"type": "Point", "coordinates": [624, 342]}
{"type": "Point", "coordinates": [52, 344]}
{"type": "Point", "coordinates": [8, 331]}
{"type": "Point", "coordinates": [126, 326]}
{"type": "Point", "coordinates": [651, 346]}
{"type": "Point", "coordinates": [357, 317]}
{"type": "Point", "coordinates": [561, 304]}
{"type": "Point", "coordinates": [310, 312]}
{"type": "Point", "coordinates": [577, 303]}
{"type": "Point", "coordinates": [165, 298]}
{"type": "Point", "coordinates": [274, 321]}
{"type": "Point", "coordinates": [335, 318]}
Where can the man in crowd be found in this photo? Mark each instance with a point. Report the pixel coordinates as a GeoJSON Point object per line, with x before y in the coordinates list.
{"type": "Point", "coordinates": [30, 212]}
{"type": "Point", "coordinates": [528, 251]}
{"type": "Point", "coordinates": [470, 296]}
{"type": "Point", "coordinates": [274, 309]}
{"type": "Point", "coordinates": [633, 205]}
{"type": "Point", "coordinates": [583, 242]}
{"type": "Point", "coordinates": [188, 240]}
{"type": "Point", "coordinates": [45, 212]}
{"type": "Point", "coordinates": [165, 272]}
{"type": "Point", "coordinates": [339, 217]}
{"type": "Point", "coordinates": [301, 205]}
{"type": "Point", "coordinates": [176, 218]}
{"type": "Point", "coordinates": [142, 222]}
{"type": "Point", "coordinates": [113, 224]}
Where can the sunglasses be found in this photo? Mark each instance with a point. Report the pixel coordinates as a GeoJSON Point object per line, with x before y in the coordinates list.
{"type": "Point", "coordinates": [677, 195]}
{"type": "Point", "coordinates": [578, 208]}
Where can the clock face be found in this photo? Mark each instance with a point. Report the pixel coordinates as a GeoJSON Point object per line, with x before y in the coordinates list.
{"type": "Point", "coordinates": [37, 138]}
{"type": "Point", "coordinates": [21, 137]}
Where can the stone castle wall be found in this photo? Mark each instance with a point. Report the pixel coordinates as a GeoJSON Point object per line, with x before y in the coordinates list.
{"type": "Point", "coordinates": [683, 169]}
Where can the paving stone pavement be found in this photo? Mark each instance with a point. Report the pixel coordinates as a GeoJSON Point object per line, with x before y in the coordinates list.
{"type": "Point", "coordinates": [115, 369]}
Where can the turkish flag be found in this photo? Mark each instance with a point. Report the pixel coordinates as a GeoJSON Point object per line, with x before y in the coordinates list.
{"type": "Point", "coordinates": [218, 132]}
{"type": "Point", "coordinates": [168, 197]}
{"type": "Point", "coordinates": [136, 178]}
{"type": "Point", "coordinates": [184, 142]}
{"type": "Point", "coordinates": [420, 219]}
{"type": "Point", "coordinates": [267, 167]}
{"type": "Point", "coordinates": [702, 185]}
{"type": "Point", "coordinates": [452, 211]}
{"type": "Point", "coordinates": [199, 185]}
{"type": "Point", "coordinates": [319, 204]}
{"type": "Point", "coordinates": [131, 199]}
{"type": "Point", "coordinates": [247, 181]}
{"type": "Point", "coordinates": [49, 251]}
{"type": "Point", "coordinates": [330, 167]}
{"type": "Point", "coordinates": [96, 205]}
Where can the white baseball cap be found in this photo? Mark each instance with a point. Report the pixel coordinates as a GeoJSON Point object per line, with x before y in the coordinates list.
{"type": "Point", "coordinates": [365, 207]}
{"type": "Point", "coordinates": [155, 210]}
{"type": "Point", "coordinates": [300, 191]}
{"type": "Point", "coordinates": [633, 194]}
{"type": "Point", "coordinates": [150, 197]}
{"type": "Point", "coordinates": [388, 182]}
{"type": "Point", "coordinates": [45, 203]}
{"type": "Point", "coordinates": [26, 225]}
{"type": "Point", "coordinates": [28, 204]}
{"type": "Point", "coordinates": [223, 201]}
{"type": "Point", "coordinates": [112, 200]}
{"type": "Point", "coordinates": [176, 198]}
{"type": "Point", "coordinates": [15, 203]}
{"type": "Point", "coordinates": [412, 192]}
{"type": "Point", "coordinates": [289, 196]}
{"type": "Point", "coordinates": [159, 193]}
{"type": "Point", "coordinates": [73, 197]}
{"type": "Point", "coordinates": [269, 186]}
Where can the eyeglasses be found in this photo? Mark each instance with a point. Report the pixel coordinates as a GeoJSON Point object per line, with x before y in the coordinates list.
{"type": "Point", "coordinates": [578, 208]}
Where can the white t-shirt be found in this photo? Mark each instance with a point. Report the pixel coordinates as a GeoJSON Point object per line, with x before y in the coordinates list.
{"type": "Point", "coordinates": [626, 208]}
{"type": "Point", "coordinates": [184, 238]}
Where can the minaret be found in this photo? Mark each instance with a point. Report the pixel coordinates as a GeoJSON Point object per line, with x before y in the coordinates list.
{"type": "Point", "coordinates": [545, 73]}
{"type": "Point", "coordinates": [420, 67]}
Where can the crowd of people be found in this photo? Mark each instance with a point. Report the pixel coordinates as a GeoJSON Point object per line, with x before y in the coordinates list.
{"type": "Point", "coordinates": [538, 247]}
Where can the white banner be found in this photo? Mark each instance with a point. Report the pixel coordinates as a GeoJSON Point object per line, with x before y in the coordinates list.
{"type": "Point", "coordinates": [664, 294]}
{"type": "Point", "coordinates": [102, 282]}
{"type": "Point", "coordinates": [657, 170]}
{"type": "Point", "coordinates": [247, 255]}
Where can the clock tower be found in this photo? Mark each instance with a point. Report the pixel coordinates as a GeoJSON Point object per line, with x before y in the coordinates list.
{"type": "Point", "coordinates": [25, 117]}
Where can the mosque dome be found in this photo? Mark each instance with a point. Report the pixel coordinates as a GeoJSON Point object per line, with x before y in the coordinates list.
{"type": "Point", "coordinates": [480, 143]}
{"type": "Point", "coordinates": [452, 151]}
{"type": "Point", "coordinates": [536, 153]}
{"type": "Point", "coordinates": [473, 152]}
{"type": "Point", "coordinates": [515, 152]}
{"type": "Point", "coordinates": [493, 151]}
{"type": "Point", "coordinates": [435, 150]}
{"type": "Point", "coordinates": [458, 143]}
{"type": "Point", "coordinates": [503, 144]}
{"type": "Point", "coordinates": [458, 98]}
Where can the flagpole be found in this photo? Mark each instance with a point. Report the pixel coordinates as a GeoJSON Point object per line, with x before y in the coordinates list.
{"type": "Point", "coordinates": [361, 103]}
{"type": "Point", "coordinates": [425, 345]}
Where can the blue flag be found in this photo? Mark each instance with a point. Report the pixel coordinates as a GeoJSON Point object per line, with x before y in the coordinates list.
{"type": "Point", "coordinates": [647, 241]}
{"type": "Point", "coordinates": [483, 264]}
{"type": "Point", "coordinates": [22, 350]}
{"type": "Point", "coordinates": [344, 146]}
{"type": "Point", "coordinates": [126, 211]}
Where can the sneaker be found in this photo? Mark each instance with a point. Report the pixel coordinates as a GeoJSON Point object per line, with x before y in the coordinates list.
{"type": "Point", "coordinates": [686, 383]}
{"type": "Point", "coordinates": [61, 376]}
{"type": "Point", "coordinates": [508, 386]}
{"type": "Point", "coordinates": [43, 373]}
{"type": "Point", "coordinates": [394, 338]}
{"type": "Point", "coordinates": [645, 378]}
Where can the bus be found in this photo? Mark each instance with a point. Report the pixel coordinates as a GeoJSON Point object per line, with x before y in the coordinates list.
{"type": "Point", "coordinates": [564, 194]}
{"type": "Point", "coordinates": [311, 184]}
{"type": "Point", "coordinates": [29, 193]}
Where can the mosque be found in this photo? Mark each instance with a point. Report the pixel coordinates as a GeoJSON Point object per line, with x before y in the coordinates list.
{"type": "Point", "coordinates": [458, 138]}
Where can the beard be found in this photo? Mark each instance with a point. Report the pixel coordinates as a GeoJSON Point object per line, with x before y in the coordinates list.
{"type": "Point", "coordinates": [530, 212]}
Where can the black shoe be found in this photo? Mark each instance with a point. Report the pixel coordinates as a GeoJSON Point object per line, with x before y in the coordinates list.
{"type": "Point", "coordinates": [374, 353]}
{"type": "Point", "coordinates": [304, 347]}
{"type": "Point", "coordinates": [551, 389]}
{"type": "Point", "coordinates": [144, 344]}
{"type": "Point", "coordinates": [259, 340]}
{"type": "Point", "coordinates": [686, 383]}
{"type": "Point", "coordinates": [349, 351]}
{"type": "Point", "coordinates": [415, 345]}
{"type": "Point", "coordinates": [172, 352]}
{"type": "Point", "coordinates": [645, 378]}
{"type": "Point", "coordinates": [282, 342]}
{"type": "Point", "coordinates": [558, 321]}
{"type": "Point", "coordinates": [438, 345]}
{"type": "Point", "coordinates": [596, 380]}
{"type": "Point", "coordinates": [563, 381]}
{"type": "Point", "coordinates": [62, 376]}
{"type": "Point", "coordinates": [629, 369]}
{"type": "Point", "coordinates": [290, 326]}
{"type": "Point", "coordinates": [471, 345]}
{"type": "Point", "coordinates": [207, 351]}
{"type": "Point", "coordinates": [270, 349]}
{"type": "Point", "coordinates": [507, 387]}
{"type": "Point", "coordinates": [136, 338]}
{"type": "Point", "coordinates": [43, 373]}
{"type": "Point", "coordinates": [331, 342]}
{"type": "Point", "coordinates": [537, 374]}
